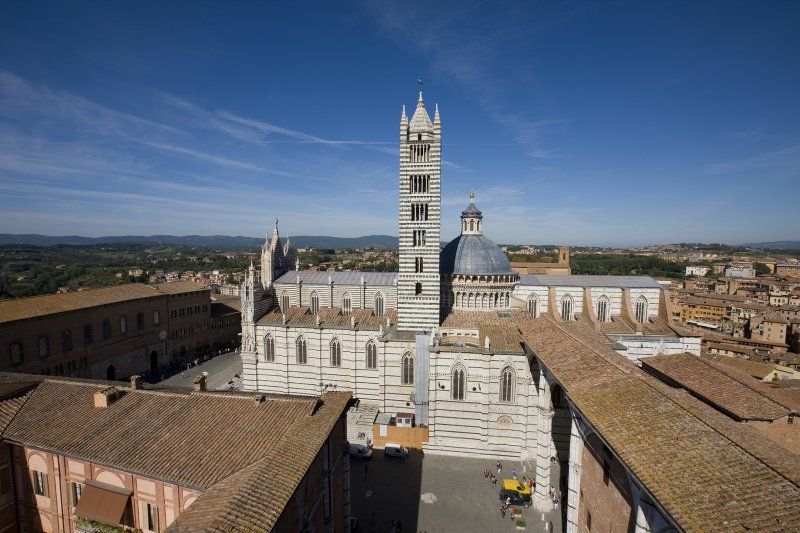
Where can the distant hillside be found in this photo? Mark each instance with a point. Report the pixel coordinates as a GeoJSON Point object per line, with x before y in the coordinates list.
{"type": "Point", "coordinates": [774, 245]}
{"type": "Point", "coordinates": [206, 241]}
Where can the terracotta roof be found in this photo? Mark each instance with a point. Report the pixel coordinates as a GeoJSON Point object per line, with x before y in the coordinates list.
{"type": "Point", "coordinates": [254, 498]}
{"type": "Point", "coordinates": [727, 479]}
{"type": "Point", "coordinates": [179, 287]}
{"type": "Point", "coordinates": [194, 440]}
{"type": "Point", "coordinates": [714, 387]}
{"type": "Point", "coordinates": [752, 368]}
{"type": "Point", "coordinates": [329, 317]}
{"type": "Point", "coordinates": [731, 348]}
{"type": "Point", "coordinates": [23, 308]}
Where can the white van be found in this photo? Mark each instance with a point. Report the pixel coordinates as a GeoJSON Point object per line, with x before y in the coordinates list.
{"type": "Point", "coordinates": [360, 451]}
{"type": "Point", "coordinates": [395, 450]}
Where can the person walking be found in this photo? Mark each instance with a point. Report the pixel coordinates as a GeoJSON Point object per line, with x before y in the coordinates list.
{"type": "Point", "coordinates": [514, 473]}
{"type": "Point", "coordinates": [499, 467]}
{"type": "Point", "coordinates": [502, 511]}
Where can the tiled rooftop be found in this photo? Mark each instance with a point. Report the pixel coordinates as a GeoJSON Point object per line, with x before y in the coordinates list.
{"type": "Point", "coordinates": [714, 387]}
{"type": "Point", "coordinates": [707, 472]}
{"type": "Point", "coordinates": [329, 317]}
{"type": "Point", "coordinates": [151, 433]}
{"type": "Point", "coordinates": [24, 308]}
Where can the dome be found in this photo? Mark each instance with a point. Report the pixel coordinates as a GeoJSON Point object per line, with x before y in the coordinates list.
{"type": "Point", "coordinates": [471, 211]}
{"type": "Point", "coordinates": [473, 255]}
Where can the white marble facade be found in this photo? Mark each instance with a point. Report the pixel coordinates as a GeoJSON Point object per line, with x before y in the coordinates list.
{"type": "Point", "coordinates": [380, 335]}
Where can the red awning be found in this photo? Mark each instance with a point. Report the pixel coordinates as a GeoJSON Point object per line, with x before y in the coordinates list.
{"type": "Point", "coordinates": [103, 503]}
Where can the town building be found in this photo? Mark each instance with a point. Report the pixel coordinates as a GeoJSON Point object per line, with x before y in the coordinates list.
{"type": "Point", "coordinates": [440, 339]}
{"type": "Point", "coordinates": [148, 459]}
{"type": "Point", "coordinates": [697, 270]}
{"type": "Point", "coordinates": [113, 332]}
{"type": "Point", "coordinates": [740, 270]}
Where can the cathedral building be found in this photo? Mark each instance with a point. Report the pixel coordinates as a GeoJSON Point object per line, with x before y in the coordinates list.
{"type": "Point", "coordinates": [441, 338]}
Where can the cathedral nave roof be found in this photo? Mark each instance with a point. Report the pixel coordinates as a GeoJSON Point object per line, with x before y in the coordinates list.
{"type": "Point", "coordinates": [329, 317]}
{"type": "Point", "coordinates": [322, 277]}
{"type": "Point", "coordinates": [590, 282]}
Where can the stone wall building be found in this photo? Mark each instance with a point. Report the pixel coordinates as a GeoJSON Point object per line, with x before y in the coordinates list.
{"type": "Point", "coordinates": [113, 332]}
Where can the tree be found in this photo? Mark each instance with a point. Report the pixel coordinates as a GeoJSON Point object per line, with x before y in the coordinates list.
{"type": "Point", "coordinates": [761, 269]}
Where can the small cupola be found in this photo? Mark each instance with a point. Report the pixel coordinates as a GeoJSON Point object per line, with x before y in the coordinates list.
{"type": "Point", "coordinates": [471, 218]}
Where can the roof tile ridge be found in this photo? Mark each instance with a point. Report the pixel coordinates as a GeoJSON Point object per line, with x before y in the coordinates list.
{"type": "Point", "coordinates": [656, 385]}
{"type": "Point", "coordinates": [726, 370]}
{"type": "Point", "coordinates": [25, 398]}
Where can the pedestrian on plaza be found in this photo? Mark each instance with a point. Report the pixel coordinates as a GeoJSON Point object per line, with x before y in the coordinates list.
{"type": "Point", "coordinates": [513, 512]}
{"type": "Point", "coordinates": [531, 483]}
{"type": "Point", "coordinates": [499, 467]}
{"type": "Point", "coordinates": [485, 473]}
{"type": "Point", "coordinates": [508, 501]}
{"type": "Point", "coordinates": [514, 473]}
{"type": "Point", "coordinates": [494, 479]}
{"type": "Point", "coordinates": [502, 511]}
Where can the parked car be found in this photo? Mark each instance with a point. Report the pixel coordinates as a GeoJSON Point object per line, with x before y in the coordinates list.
{"type": "Point", "coordinates": [360, 451]}
{"type": "Point", "coordinates": [395, 450]}
{"type": "Point", "coordinates": [516, 497]}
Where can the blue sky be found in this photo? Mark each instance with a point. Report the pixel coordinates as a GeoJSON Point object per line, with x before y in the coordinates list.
{"type": "Point", "coordinates": [597, 123]}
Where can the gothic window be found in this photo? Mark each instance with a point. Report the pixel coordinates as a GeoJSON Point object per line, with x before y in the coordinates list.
{"type": "Point", "coordinates": [284, 301]}
{"type": "Point", "coordinates": [314, 303]}
{"type": "Point", "coordinates": [533, 306]}
{"type": "Point", "coordinates": [641, 309]}
{"type": "Point", "coordinates": [459, 383]}
{"type": "Point", "coordinates": [602, 309]}
{"type": "Point", "coordinates": [269, 348]}
{"type": "Point", "coordinates": [346, 305]}
{"type": "Point", "coordinates": [336, 353]}
{"type": "Point", "coordinates": [418, 289]}
{"type": "Point", "coordinates": [418, 264]}
{"type": "Point", "coordinates": [566, 307]}
{"type": "Point", "coordinates": [507, 385]}
{"type": "Point", "coordinates": [300, 350]}
{"type": "Point", "coordinates": [372, 355]}
{"type": "Point", "coordinates": [408, 369]}
{"type": "Point", "coordinates": [378, 304]}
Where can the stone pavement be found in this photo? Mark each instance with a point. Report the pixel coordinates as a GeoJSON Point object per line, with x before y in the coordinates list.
{"type": "Point", "coordinates": [221, 370]}
{"type": "Point", "coordinates": [436, 494]}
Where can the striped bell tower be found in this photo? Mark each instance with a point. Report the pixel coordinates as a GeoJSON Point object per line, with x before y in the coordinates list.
{"type": "Point", "coordinates": [420, 220]}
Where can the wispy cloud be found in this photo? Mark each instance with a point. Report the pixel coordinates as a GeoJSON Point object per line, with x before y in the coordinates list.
{"type": "Point", "coordinates": [468, 56]}
{"type": "Point", "coordinates": [784, 160]}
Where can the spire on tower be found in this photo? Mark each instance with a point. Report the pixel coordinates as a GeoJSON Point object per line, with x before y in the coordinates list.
{"type": "Point", "coordinates": [436, 119]}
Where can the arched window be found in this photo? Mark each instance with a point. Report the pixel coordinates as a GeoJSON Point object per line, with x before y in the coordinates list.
{"type": "Point", "coordinates": [300, 350]}
{"type": "Point", "coordinates": [346, 306]}
{"type": "Point", "coordinates": [418, 289]}
{"type": "Point", "coordinates": [372, 355]}
{"type": "Point", "coordinates": [123, 324]}
{"type": "Point", "coordinates": [566, 307]}
{"type": "Point", "coordinates": [641, 309]}
{"type": "Point", "coordinates": [408, 369]}
{"type": "Point", "coordinates": [378, 304]}
{"type": "Point", "coordinates": [533, 306]}
{"type": "Point", "coordinates": [507, 385]}
{"type": "Point", "coordinates": [471, 225]}
{"type": "Point", "coordinates": [602, 309]}
{"type": "Point", "coordinates": [269, 348]}
{"type": "Point", "coordinates": [459, 383]}
{"type": "Point", "coordinates": [285, 301]}
{"type": "Point", "coordinates": [314, 303]}
{"type": "Point", "coordinates": [336, 353]}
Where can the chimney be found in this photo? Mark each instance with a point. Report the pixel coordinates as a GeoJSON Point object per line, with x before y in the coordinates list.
{"type": "Point", "coordinates": [200, 383]}
{"type": "Point", "coordinates": [136, 382]}
{"type": "Point", "coordinates": [105, 397]}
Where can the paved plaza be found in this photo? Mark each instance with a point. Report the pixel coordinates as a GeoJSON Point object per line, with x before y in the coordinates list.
{"type": "Point", "coordinates": [437, 494]}
{"type": "Point", "coordinates": [224, 373]}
